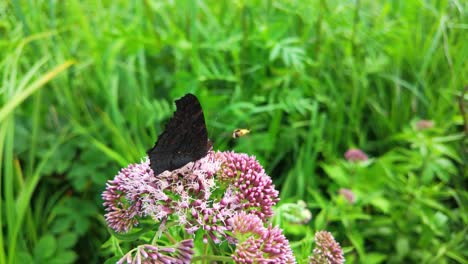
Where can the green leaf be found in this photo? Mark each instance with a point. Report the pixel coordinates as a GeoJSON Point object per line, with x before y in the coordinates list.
{"type": "Point", "coordinates": [320, 220]}
{"type": "Point", "coordinates": [45, 247]}
{"type": "Point", "coordinates": [374, 258]}
{"type": "Point", "coordinates": [64, 257]}
{"type": "Point", "coordinates": [112, 260]}
{"type": "Point", "coordinates": [381, 203]}
{"type": "Point", "coordinates": [402, 246]}
{"type": "Point", "coordinates": [81, 224]}
{"type": "Point", "coordinates": [24, 257]}
{"type": "Point", "coordinates": [338, 174]}
{"type": "Point", "coordinates": [357, 241]}
{"type": "Point", "coordinates": [61, 225]}
{"type": "Point", "coordinates": [32, 88]}
{"type": "Point", "coordinates": [67, 240]}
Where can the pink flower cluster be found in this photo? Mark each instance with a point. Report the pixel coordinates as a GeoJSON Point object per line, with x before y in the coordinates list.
{"type": "Point", "coordinates": [259, 244]}
{"type": "Point", "coordinates": [223, 196]}
{"type": "Point", "coordinates": [179, 254]}
{"type": "Point", "coordinates": [355, 155]}
{"type": "Point", "coordinates": [327, 250]}
{"type": "Point", "coordinates": [122, 203]}
{"type": "Point", "coordinates": [202, 195]}
{"type": "Point", "coordinates": [254, 189]}
{"type": "Point", "coordinates": [348, 195]}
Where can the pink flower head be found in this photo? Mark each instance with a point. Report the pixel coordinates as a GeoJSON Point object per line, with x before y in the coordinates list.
{"type": "Point", "coordinates": [257, 244]}
{"type": "Point", "coordinates": [424, 124]}
{"type": "Point", "coordinates": [200, 196]}
{"type": "Point", "coordinates": [121, 201]}
{"type": "Point", "coordinates": [253, 188]}
{"type": "Point", "coordinates": [178, 254]}
{"type": "Point", "coordinates": [327, 250]}
{"type": "Point", "coordinates": [348, 195]}
{"type": "Point", "coordinates": [244, 223]}
{"type": "Point", "coordinates": [355, 155]}
{"type": "Point", "coordinates": [136, 192]}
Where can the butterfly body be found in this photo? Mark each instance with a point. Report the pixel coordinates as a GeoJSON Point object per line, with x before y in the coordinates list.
{"type": "Point", "coordinates": [184, 139]}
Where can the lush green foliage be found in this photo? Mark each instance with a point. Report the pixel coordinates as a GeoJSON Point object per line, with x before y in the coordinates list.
{"type": "Point", "coordinates": [85, 87]}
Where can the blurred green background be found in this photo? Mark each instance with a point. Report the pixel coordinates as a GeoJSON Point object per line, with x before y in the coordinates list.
{"type": "Point", "coordinates": [86, 87]}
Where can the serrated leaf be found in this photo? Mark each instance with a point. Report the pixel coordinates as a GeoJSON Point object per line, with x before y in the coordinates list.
{"type": "Point", "coordinates": [67, 240]}
{"type": "Point", "coordinates": [81, 225]}
{"type": "Point", "coordinates": [275, 52]}
{"type": "Point", "coordinates": [64, 257]}
{"type": "Point", "coordinates": [61, 225]}
{"type": "Point", "coordinates": [45, 247]}
{"type": "Point", "coordinates": [24, 257]}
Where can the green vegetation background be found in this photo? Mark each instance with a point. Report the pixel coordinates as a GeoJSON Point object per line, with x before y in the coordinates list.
{"type": "Point", "coordinates": [86, 87]}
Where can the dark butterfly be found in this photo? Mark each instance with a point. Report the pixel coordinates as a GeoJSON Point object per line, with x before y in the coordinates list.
{"type": "Point", "coordinates": [185, 138]}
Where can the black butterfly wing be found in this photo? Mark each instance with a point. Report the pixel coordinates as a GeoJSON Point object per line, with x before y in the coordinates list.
{"type": "Point", "coordinates": [184, 139]}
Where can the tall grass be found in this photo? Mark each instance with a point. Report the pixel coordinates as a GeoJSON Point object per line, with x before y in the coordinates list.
{"type": "Point", "coordinates": [309, 78]}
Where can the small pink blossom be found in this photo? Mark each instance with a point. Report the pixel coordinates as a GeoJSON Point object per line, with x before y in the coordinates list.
{"type": "Point", "coordinates": [355, 155]}
{"type": "Point", "coordinates": [327, 250]}
{"type": "Point", "coordinates": [259, 244]}
{"type": "Point", "coordinates": [348, 195]}
{"type": "Point", "coordinates": [424, 124]}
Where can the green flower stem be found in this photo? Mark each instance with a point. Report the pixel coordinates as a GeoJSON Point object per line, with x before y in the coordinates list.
{"type": "Point", "coordinates": [210, 258]}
